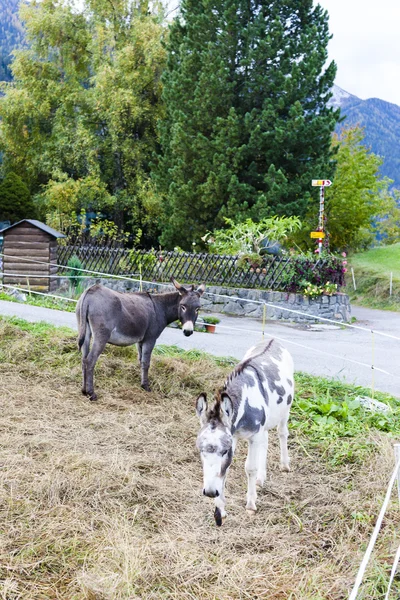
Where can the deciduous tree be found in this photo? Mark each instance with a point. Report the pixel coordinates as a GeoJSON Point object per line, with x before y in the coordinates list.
{"type": "Point", "coordinates": [79, 121]}
{"type": "Point", "coordinates": [358, 203]}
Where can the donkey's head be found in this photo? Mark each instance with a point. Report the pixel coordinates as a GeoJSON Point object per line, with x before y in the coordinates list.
{"type": "Point", "coordinates": [214, 442]}
{"type": "Point", "coordinates": [189, 305]}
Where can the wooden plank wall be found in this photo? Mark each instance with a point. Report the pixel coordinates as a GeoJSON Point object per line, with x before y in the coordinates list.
{"type": "Point", "coordinates": [20, 244]}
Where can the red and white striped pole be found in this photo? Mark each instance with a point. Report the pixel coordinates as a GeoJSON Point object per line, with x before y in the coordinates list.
{"type": "Point", "coordinates": [321, 183]}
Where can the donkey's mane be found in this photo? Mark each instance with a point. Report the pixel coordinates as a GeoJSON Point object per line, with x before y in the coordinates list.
{"type": "Point", "coordinates": [241, 367]}
{"type": "Point", "coordinates": [214, 413]}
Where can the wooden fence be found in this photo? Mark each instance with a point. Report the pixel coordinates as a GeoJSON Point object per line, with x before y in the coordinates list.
{"type": "Point", "coordinates": [275, 273]}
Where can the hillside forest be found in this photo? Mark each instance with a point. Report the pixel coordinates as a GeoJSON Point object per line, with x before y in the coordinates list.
{"type": "Point", "coordinates": [167, 131]}
{"type": "Point", "coordinates": [11, 35]}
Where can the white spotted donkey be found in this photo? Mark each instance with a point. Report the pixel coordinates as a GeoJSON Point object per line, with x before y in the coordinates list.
{"type": "Point", "coordinates": [256, 397]}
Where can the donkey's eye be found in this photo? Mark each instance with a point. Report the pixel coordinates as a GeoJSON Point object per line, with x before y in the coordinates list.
{"type": "Point", "coordinates": [183, 307]}
{"type": "Point", "coordinates": [197, 310]}
{"type": "Point", "coordinates": [224, 452]}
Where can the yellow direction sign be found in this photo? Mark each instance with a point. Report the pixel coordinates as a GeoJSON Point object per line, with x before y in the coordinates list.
{"type": "Point", "coordinates": [321, 182]}
{"type": "Point", "coordinates": [317, 234]}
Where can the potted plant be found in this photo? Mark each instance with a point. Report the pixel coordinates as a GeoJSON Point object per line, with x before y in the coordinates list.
{"type": "Point", "coordinates": [210, 323]}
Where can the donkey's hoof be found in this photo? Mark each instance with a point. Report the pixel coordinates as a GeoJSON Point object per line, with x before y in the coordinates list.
{"type": "Point", "coordinates": [84, 392]}
{"type": "Point", "coordinates": [285, 468]}
{"type": "Point", "coordinates": [219, 516]}
{"type": "Point", "coordinates": [92, 397]}
{"type": "Point", "coordinates": [146, 387]}
{"type": "Point", "coordinates": [251, 512]}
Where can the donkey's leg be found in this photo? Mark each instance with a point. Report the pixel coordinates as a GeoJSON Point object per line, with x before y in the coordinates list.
{"type": "Point", "coordinates": [283, 433]}
{"type": "Point", "coordinates": [139, 351]}
{"type": "Point", "coordinates": [85, 351]}
{"type": "Point", "coordinates": [147, 349]}
{"type": "Point", "coordinates": [262, 460]}
{"type": "Point", "coordinates": [220, 513]}
{"type": "Point", "coordinates": [251, 466]}
{"type": "Point", "coordinates": [99, 343]}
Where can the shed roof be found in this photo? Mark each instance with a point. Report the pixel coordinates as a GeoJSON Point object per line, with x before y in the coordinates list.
{"type": "Point", "coordinates": [37, 224]}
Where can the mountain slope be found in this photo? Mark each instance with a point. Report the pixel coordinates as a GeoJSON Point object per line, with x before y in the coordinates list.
{"type": "Point", "coordinates": [381, 122]}
{"type": "Point", "coordinates": [11, 35]}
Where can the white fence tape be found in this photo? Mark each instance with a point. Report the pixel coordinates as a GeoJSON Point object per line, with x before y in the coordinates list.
{"type": "Point", "coordinates": [393, 572]}
{"type": "Point", "coordinates": [261, 302]}
{"type": "Point", "coordinates": [374, 535]}
{"type": "Point", "coordinates": [25, 291]}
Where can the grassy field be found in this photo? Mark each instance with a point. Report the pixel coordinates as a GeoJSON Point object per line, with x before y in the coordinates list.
{"type": "Point", "coordinates": [102, 501]}
{"type": "Point", "coordinates": [382, 260]}
{"type": "Point", "coordinates": [372, 276]}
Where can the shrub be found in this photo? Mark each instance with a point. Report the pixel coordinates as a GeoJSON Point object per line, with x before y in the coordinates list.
{"type": "Point", "coordinates": [75, 264]}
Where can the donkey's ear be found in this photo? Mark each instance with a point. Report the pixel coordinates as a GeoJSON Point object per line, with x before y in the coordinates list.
{"type": "Point", "coordinates": [226, 405]}
{"type": "Point", "coordinates": [178, 286]}
{"type": "Point", "coordinates": [201, 289]}
{"type": "Point", "coordinates": [201, 407]}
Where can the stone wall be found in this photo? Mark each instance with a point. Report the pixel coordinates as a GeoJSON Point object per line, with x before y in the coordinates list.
{"type": "Point", "coordinates": [241, 302]}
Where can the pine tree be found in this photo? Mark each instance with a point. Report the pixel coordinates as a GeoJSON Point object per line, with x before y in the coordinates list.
{"type": "Point", "coordinates": [247, 124]}
{"type": "Point", "coordinates": [15, 199]}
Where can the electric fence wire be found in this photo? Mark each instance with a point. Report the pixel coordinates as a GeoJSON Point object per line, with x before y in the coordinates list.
{"type": "Point", "coordinates": [261, 302]}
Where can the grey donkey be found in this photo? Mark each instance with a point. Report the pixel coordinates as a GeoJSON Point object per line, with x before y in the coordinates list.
{"type": "Point", "coordinates": [123, 319]}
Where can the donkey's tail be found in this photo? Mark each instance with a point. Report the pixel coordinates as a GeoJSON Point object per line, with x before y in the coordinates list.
{"type": "Point", "coordinates": [83, 318]}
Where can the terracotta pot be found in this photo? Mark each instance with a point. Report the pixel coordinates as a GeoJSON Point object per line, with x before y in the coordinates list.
{"type": "Point", "coordinates": [210, 327]}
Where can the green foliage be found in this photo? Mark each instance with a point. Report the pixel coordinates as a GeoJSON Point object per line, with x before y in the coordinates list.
{"type": "Point", "coordinates": [247, 124]}
{"type": "Point", "coordinates": [359, 196]}
{"type": "Point", "coordinates": [329, 413]}
{"type": "Point", "coordinates": [79, 121]}
{"type": "Point", "coordinates": [15, 199]}
{"type": "Point", "coordinates": [11, 35]}
{"type": "Point", "coordinates": [211, 320]}
{"type": "Point", "coordinates": [246, 237]}
{"type": "Point", "coordinates": [308, 269]}
{"type": "Point", "coordinates": [74, 264]}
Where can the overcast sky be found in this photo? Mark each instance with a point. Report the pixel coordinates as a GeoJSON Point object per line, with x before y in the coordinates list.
{"type": "Point", "coordinates": [366, 46]}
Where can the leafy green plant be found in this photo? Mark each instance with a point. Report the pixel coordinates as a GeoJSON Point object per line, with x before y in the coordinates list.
{"type": "Point", "coordinates": [75, 264]}
{"type": "Point", "coordinates": [211, 320]}
{"type": "Point", "coordinates": [245, 238]}
{"type": "Point", "coordinates": [329, 413]}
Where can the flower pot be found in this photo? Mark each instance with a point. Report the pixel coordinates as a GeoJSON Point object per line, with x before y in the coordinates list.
{"type": "Point", "coordinates": [210, 327]}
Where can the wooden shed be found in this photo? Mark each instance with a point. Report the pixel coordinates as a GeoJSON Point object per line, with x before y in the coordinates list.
{"type": "Point", "coordinates": [30, 255]}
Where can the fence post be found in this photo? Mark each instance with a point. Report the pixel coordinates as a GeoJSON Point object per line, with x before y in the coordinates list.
{"type": "Point", "coordinates": [397, 459]}
{"type": "Point", "coordinates": [354, 280]}
{"type": "Point", "coordinates": [391, 284]}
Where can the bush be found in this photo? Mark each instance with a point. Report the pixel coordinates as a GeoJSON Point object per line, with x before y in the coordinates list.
{"type": "Point", "coordinates": [75, 264]}
{"type": "Point", "coordinates": [15, 199]}
{"type": "Point", "coordinates": [308, 269]}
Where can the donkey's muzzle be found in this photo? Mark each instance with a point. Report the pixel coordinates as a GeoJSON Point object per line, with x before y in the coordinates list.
{"type": "Point", "coordinates": [210, 493]}
{"type": "Point", "coordinates": [187, 332]}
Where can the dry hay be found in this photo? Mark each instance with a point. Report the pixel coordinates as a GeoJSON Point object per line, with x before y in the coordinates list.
{"type": "Point", "coordinates": [103, 500]}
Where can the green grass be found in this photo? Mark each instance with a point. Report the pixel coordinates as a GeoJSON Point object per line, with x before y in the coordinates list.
{"type": "Point", "coordinates": [372, 277]}
{"type": "Point", "coordinates": [383, 260]}
{"type": "Point", "coordinates": [44, 301]}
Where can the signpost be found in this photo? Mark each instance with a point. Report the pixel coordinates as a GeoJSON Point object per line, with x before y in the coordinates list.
{"type": "Point", "coordinates": [321, 183]}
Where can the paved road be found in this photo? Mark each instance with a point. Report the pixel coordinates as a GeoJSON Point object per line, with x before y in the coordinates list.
{"type": "Point", "coordinates": [324, 350]}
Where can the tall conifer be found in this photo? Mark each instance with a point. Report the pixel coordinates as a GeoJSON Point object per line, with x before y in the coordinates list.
{"type": "Point", "coordinates": [247, 124]}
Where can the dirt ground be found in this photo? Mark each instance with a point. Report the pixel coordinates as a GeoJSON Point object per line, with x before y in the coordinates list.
{"type": "Point", "coordinates": [103, 500]}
